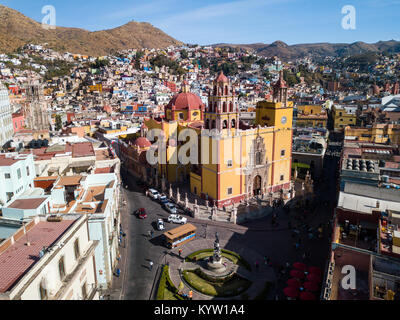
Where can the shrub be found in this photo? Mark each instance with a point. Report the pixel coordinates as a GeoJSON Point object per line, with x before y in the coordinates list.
{"type": "Point", "coordinates": [165, 283]}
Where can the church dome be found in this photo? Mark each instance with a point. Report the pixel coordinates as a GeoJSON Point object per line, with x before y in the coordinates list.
{"type": "Point", "coordinates": [186, 101]}
{"type": "Point", "coordinates": [142, 142]}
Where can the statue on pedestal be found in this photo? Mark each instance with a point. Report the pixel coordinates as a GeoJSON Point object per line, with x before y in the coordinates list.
{"type": "Point", "coordinates": [217, 250]}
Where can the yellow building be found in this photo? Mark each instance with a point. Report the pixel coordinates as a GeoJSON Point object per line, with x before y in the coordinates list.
{"type": "Point", "coordinates": [311, 116]}
{"type": "Point", "coordinates": [379, 133]}
{"type": "Point", "coordinates": [97, 87]}
{"type": "Point", "coordinates": [344, 116]}
{"type": "Point", "coordinates": [235, 162]}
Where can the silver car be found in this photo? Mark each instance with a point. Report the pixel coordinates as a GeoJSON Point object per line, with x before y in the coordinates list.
{"type": "Point", "coordinates": [160, 225]}
{"type": "Point", "coordinates": [170, 207]}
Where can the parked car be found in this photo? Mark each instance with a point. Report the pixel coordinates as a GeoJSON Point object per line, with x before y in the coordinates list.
{"type": "Point", "coordinates": [141, 213]}
{"type": "Point", "coordinates": [174, 218]}
{"type": "Point", "coordinates": [153, 194]}
{"type": "Point", "coordinates": [163, 199]}
{"type": "Point", "coordinates": [170, 207]}
{"type": "Point", "coordinates": [160, 224]}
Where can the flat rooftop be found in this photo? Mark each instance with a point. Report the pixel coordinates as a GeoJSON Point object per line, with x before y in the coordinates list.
{"type": "Point", "coordinates": [70, 181]}
{"type": "Point", "coordinates": [87, 208]}
{"type": "Point", "coordinates": [27, 204]}
{"type": "Point", "coordinates": [361, 262]}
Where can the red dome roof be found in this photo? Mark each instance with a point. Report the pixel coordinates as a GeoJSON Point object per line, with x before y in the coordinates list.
{"type": "Point", "coordinates": [142, 142]}
{"type": "Point", "coordinates": [186, 100]}
{"type": "Point", "coordinates": [221, 78]}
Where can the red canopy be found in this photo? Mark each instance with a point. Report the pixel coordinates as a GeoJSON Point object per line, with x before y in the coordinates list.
{"type": "Point", "coordinates": [300, 266]}
{"type": "Point", "coordinates": [297, 274]}
{"type": "Point", "coordinates": [311, 286]}
{"type": "Point", "coordinates": [307, 296]}
{"type": "Point", "coordinates": [315, 270]}
{"type": "Point", "coordinates": [291, 292]}
{"type": "Point", "coordinates": [294, 283]}
{"type": "Point", "coordinates": [314, 278]}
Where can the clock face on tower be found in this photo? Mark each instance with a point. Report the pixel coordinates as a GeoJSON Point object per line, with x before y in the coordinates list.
{"type": "Point", "coordinates": [284, 120]}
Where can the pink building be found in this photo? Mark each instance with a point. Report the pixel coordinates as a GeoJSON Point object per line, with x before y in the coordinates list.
{"type": "Point", "coordinates": [18, 121]}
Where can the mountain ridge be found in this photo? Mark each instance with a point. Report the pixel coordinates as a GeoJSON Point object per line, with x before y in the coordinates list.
{"type": "Point", "coordinates": [17, 30]}
{"type": "Point", "coordinates": [285, 51]}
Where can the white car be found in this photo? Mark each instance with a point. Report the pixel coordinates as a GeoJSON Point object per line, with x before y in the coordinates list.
{"type": "Point", "coordinates": [160, 224]}
{"type": "Point", "coordinates": [170, 207]}
{"type": "Point", "coordinates": [174, 218]}
{"type": "Point", "coordinates": [153, 194]}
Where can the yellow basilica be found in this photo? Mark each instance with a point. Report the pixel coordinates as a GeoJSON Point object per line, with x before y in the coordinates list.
{"type": "Point", "coordinates": [235, 161]}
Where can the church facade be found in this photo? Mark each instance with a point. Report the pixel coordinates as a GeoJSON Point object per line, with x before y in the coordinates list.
{"type": "Point", "coordinates": [233, 161]}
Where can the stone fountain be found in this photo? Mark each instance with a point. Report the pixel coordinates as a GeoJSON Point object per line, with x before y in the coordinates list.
{"type": "Point", "coordinates": [215, 264]}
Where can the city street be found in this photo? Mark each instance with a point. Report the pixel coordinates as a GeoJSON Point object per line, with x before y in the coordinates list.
{"type": "Point", "coordinates": [137, 282]}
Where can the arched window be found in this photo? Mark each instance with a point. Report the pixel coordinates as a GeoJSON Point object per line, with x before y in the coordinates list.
{"type": "Point", "coordinates": [215, 107]}
{"type": "Point", "coordinates": [213, 124]}
{"type": "Point", "coordinates": [215, 90]}
{"type": "Point", "coordinates": [43, 291]}
{"type": "Point", "coordinates": [233, 123]}
{"type": "Point", "coordinates": [230, 107]}
{"type": "Point", "coordinates": [224, 107]}
{"type": "Point", "coordinates": [225, 124]}
{"type": "Point", "coordinates": [61, 268]}
{"type": "Point", "coordinates": [208, 124]}
{"type": "Point", "coordinates": [226, 90]}
{"type": "Point", "coordinates": [258, 158]}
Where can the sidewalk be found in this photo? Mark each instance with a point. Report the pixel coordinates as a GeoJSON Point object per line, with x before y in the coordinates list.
{"type": "Point", "coordinates": [118, 282]}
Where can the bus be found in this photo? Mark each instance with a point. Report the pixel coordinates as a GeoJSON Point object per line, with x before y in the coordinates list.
{"type": "Point", "coordinates": [180, 235]}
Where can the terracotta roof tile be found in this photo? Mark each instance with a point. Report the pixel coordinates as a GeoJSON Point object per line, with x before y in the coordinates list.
{"type": "Point", "coordinates": [19, 258]}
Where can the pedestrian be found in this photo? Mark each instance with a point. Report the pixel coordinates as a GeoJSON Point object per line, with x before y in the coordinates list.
{"type": "Point", "coordinates": [151, 265]}
{"type": "Point", "coordinates": [180, 252]}
{"type": "Point", "coordinates": [257, 265]}
{"type": "Point", "coordinates": [152, 233]}
{"type": "Point", "coordinates": [190, 295]}
{"type": "Point", "coordinates": [265, 260]}
{"type": "Point", "coordinates": [117, 272]}
{"type": "Point", "coordinates": [287, 265]}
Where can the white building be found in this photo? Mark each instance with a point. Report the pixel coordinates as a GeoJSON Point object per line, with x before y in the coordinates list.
{"type": "Point", "coordinates": [96, 196]}
{"type": "Point", "coordinates": [50, 258]}
{"type": "Point", "coordinates": [17, 172]}
{"type": "Point", "coordinates": [6, 124]}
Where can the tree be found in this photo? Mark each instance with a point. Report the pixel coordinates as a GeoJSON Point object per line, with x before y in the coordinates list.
{"type": "Point", "coordinates": [58, 122]}
{"type": "Point", "coordinates": [184, 54]}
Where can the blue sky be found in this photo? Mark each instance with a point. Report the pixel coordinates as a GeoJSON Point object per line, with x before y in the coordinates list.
{"type": "Point", "coordinates": [231, 21]}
